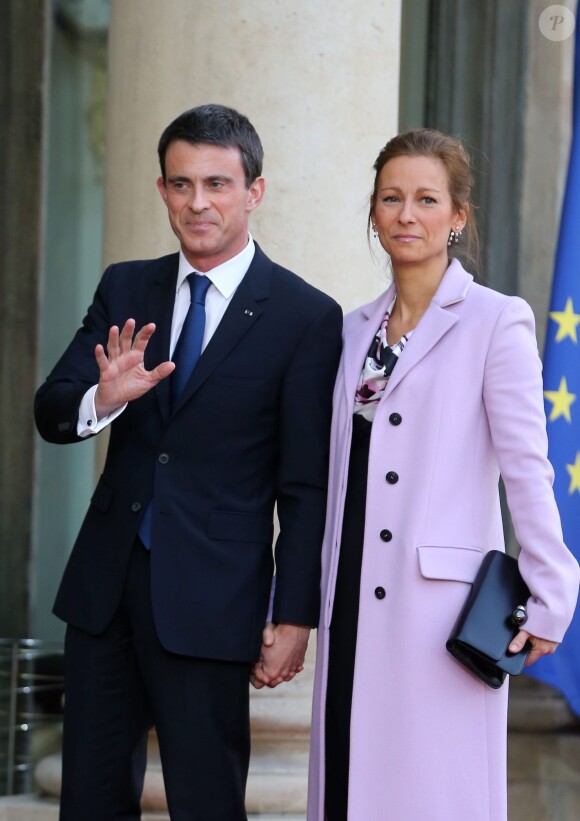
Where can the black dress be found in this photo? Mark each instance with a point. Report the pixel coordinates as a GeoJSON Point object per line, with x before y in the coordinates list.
{"type": "Point", "coordinates": [343, 628]}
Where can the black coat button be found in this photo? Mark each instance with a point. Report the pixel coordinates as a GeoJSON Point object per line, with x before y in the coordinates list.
{"type": "Point", "coordinates": [386, 535]}
{"type": "Point", "coordinates": [392, 477]}
{"type": "Point", "coordinates": [380, 592]}
{"type": "Point", "coordinates": [395, 419]}
{"type": "Point", "coordinates": [136, 507]}
{"type": "Point", "coordinates": [163, 458]}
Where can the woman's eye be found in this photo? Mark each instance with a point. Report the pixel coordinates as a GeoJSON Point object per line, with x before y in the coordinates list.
{"type": "Point", "coordinates": [390, 198]}
{"type": "Point", "coordinates": [429, 200]}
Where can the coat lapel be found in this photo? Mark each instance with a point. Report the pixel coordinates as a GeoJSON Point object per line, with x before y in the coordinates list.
{"type": "Point", "coordinates": [434, 324]}
{"type": "Point", "coordinates": [242, 313]}
{"type": "Point", "coordinates": [362, 326]}
{"type": "Point", "coordinates": [364, 322]}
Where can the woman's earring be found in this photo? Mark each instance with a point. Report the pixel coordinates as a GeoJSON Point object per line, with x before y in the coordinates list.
{"type": "Point", "coordinates": [375, 232]}
{"type": "Point", "coordinates": [454, 236]}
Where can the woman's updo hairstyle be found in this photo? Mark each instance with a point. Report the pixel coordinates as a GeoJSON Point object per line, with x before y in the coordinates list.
{"type": "Point", "coordinates": [427, 142]}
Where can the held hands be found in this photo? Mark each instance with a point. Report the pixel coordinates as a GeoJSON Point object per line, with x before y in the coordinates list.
{"type": "Point", "coordinates": [540, 647]}
{"type": "Point", "coordinates": [122, 374]}
{"type": "Point", "coordinates": [282, 655]}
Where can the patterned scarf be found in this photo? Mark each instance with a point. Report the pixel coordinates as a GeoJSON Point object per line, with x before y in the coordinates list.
{"type": "Point", "coordinates": [378, 366]}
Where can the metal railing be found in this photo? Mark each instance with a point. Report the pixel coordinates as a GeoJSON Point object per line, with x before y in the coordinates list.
{"type": "Point", "coordinates": [31, 698]}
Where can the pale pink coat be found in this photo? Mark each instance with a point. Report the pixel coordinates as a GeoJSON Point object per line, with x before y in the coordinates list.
{"type": "Point", "coordinates": [428, 740]}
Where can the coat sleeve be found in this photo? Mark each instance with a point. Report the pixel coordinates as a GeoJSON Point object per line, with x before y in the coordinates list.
{"type": "Point", "coordinates": [57, 401]}
{"type": "Point", "coordinates": [513, 397]}
{"type": "Point", "coordinates": [304, 436]}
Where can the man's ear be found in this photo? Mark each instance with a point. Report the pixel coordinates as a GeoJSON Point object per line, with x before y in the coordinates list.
{"type": "Point", "coordinates": [256, 193]}
{"type": "Point", "coordinates": [162, 188]}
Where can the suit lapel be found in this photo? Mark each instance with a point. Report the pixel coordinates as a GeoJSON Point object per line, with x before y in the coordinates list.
{"type": "Point", "coordinates": [245, 309]}
{"type": "Point", "coordinates": [159, 309]}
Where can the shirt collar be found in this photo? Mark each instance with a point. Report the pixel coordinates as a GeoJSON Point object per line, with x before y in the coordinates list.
{"type": "Point", "coordinates": [227, 276]}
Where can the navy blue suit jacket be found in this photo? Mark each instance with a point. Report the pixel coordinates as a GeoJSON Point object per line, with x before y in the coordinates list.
{"type": "Point", "coordinates": [251, 430]}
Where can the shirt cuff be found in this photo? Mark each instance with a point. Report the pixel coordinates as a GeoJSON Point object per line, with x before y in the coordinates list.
{"type": "Point", "coordinates": [88, 424]}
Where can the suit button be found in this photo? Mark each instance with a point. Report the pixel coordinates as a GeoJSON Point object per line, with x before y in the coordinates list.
{"type": "Point", "coordinates": [392, 477]}
{"type": "Point", "coordinates": [386, 535]}
{"type": "Point", "coordinates": [163, 458]}
{"type": "Point", "coordinates": [136, 507]}
{"type": "Point", "coordinates": [380, 592]}
{"type": "Point", "coordinates": [395, 419]}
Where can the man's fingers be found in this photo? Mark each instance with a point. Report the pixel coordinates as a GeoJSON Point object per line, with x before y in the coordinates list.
{"type": "Point", "coordinates": [101, 357]}
{"type": "Point", "coordinates": [143, 336]}
{"type": "Point", "coordinates": [269, 634]}
{"type": "Point", "coordinates": [126, 336]}
{"type": "Point", "coordinates": [163, 370]}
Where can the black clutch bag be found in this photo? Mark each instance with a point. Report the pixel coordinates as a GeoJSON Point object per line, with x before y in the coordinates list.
{"type": "Point", "coordinates": [491, 617]}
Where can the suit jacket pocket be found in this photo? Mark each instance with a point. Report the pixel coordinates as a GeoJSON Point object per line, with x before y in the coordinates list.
{"type": "Point", "coordinates": [235, 526]}
{"type": "Point", "coordinates": [450, 562]}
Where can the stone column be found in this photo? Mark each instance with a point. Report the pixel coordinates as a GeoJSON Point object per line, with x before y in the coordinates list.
{"type": "Point", "coordinates": [320, 83]}
{"type": "Point", "coordinates": [23, 68]}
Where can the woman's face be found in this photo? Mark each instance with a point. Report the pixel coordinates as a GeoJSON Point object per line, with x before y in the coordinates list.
{"type": "Point", "coordinates": [413, 213]}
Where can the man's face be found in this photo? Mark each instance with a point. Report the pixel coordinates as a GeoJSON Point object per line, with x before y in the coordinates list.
{"type": "Point", "coordinates": [207, 201]}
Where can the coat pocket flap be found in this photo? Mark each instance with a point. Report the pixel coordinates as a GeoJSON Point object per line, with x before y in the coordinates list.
{"type": "Point", "coordinates": [454, 563]}
{"type": "Point", "coordinates": [233, 526]}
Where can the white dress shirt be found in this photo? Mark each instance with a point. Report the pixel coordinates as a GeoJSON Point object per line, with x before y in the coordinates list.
{"type": "Point", "coordinates": [225, 279]}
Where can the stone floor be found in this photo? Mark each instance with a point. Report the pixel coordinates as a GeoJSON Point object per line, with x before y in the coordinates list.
{"type": "Point", "coordinates": [29, 808]}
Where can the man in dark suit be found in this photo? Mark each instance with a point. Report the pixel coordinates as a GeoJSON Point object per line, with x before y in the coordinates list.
{"type": "Point", "coordinates": [168, 589]}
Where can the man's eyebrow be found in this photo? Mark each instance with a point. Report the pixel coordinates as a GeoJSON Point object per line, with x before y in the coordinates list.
{"type": "Point", "coordinates": [209, 178]}
{"type": "Point", "coordinates": [220, 177]}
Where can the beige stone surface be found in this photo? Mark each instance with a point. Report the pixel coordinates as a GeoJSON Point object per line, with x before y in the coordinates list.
{"type": "Point", "coordinates": [550, 759]}
{"type": "Point", "coordinates": [542, 802]}
{"type": "Point", "coordinates": [278, 774]}
{"type": "Point", "coordinates": [319, 82]}
{"type": "Point", "coordinates": [535, 706]}
{"type": "Point", "coordinates": [32, 808]}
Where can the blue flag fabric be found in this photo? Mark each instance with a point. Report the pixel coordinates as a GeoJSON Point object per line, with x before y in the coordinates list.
{"type": "Point", "coordinates": [562, 398]}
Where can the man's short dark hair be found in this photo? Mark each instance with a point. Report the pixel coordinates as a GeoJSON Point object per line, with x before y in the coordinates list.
{"type": "Point", "coordinates": [216, 125]}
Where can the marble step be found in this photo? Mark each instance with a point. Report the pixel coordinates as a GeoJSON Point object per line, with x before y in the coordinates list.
{"type": "Point", "coordinates": [32, 808]}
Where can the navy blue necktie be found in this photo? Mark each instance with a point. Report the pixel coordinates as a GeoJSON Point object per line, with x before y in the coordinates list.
{"type": "Point", "coordinates": [187, 352]}
{"type": "Point", "coordinates": [188, 348]}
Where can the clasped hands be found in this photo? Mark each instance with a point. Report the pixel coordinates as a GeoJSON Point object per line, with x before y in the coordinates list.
{"type": "Point", "coordinates": [123, 376]}
{"type": "Point", "coordinates": [282, 654]}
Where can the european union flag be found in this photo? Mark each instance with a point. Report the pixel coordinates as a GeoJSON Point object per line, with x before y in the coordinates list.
{"type": "Point", "coordinates": [562, 395]}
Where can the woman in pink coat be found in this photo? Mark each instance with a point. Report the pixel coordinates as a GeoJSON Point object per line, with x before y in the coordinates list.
{"type": "Point", "coordinates": [439, 391]}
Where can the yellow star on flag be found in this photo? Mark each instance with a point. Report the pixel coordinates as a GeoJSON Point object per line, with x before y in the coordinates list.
{"type": "Point", "coordinates": [574, 471]}
{"type": "Point", "coordinates": [567, 321]}
{"type": "Point", "coordinates": [561, 401]}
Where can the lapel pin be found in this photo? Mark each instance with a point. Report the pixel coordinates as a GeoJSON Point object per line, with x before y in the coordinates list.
{"type": "Point", "coordinates": [248, 312]}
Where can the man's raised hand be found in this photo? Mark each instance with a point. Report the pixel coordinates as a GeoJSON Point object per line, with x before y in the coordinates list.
{"type": "Point", "coordinates": [123, 376]}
